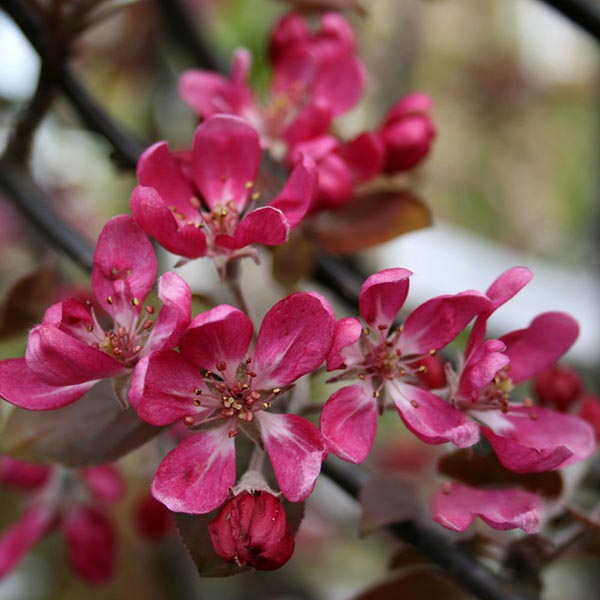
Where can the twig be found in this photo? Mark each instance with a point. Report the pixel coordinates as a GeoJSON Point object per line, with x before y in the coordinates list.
{"type": "Point", "coordinates": [126, 148]}
{"type": "Point", "coordinates": [35, 206]}
{"type": "Point", "coordinates": [584, 13]}
{"type": "Point", "coordinates": [189, 37]}
{"type": "Point", "coordinates": [460, 565]}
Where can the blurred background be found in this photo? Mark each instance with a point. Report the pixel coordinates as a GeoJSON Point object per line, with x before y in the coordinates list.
{"type": "Point", "coordinates": [513, 180]}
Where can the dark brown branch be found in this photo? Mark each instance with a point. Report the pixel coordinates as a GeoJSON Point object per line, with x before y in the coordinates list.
{"type": "Point", "coordinates": [465, 570]}
{"type": "Point", "coordinates": [583, 13]}
{"type": "Point", "coordinates": [126, 148]}
{"type": "Point", "coordinates": [36, 207]}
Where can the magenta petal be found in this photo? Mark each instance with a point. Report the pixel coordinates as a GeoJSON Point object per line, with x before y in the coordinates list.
{"type": "Point", "coordinates": [294, 339]}
{"type": "Point", "coordinates": [124, 263]}
{"type": "Point", "coordinates": [299, 191]}
{"type": "Point", "coordinates": [220, 334]}
{"type": "Point", "coordinates": [344, 350]}
{"type": "Point", "coordinates": [539, 346]}
{"type": "Point", "coordinates": [296, 451]}
{"type": "Point", "coordinates": [23, 388]}
{"type": "Point", "coordinates": [382, 296]}
{"type": "Point", "coordinates": [507, 285]}
{"type": "Point", "coordinates": [91, 541]}
{"type": "Point", "coordinates": [159, 169]}
{"type": "Point", "coordinates": [104, 482]}
{"type": "Point", "coordinates": [59, 359]}
{"type": "Point", "coordinates": [265, 225]}
{"type": "Point", "coordinates": [349, 422]}
{"type": "Point", "coordinates": [365, 155]}
{"type": "Point", "coordinates": [455, 506]}
{"type": "Point", "coordinates": [158, 220]}
{"type": "Point", "coordinates": [540, 439]}
{"type": "Point", "coordinates": [438, 321]}
{"type": "Point", "coordinates": [481, 368]}
{"type": "Point", "coordinates": [339, 84]}
{"type": "Point", "coordinates": [206, 92]}
{"type": "Point", "coordinates": [430, 418]}
{"type": "Point", "coordinates": [163, 388]}
{"type": "Point", "coordinates": [174, 316]}
{"type": "Point", "coordinates": [225, 159]}
{"type": "Point", "coordinates": [22, 475]}
{"type": "Point", "coordinates": [18, 539]}
{"type": "Point", "coordinates": [196, 476]}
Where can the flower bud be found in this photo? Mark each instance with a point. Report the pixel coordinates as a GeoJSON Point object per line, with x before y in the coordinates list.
{"type": "Point", "coordinates": [252, 530]}
{"type": "Point", "coordinates": [407, 133]}
{"type": "Point", "coordinates": [558, 387]}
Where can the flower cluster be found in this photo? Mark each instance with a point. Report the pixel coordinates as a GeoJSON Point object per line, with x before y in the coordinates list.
{"type": "Point", "coordinates": [230, 395]}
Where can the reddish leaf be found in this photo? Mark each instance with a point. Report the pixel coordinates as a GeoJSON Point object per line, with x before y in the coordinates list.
{"type": "Point", "coordinates": [27, 300]}
{"type": "Point", "coordinates": [371, 219]}
{"type": "Point", "coordinates": [194, 533]}
{"type": "Point", "coordinates": [324, 5]}
{"type": "Point", "coordinates": [92, 431]}
{"type": "Point", "coordinates": [421, 584]}
{"type": "Point", "coordinates": [480, 470]}
{"type": "Point", "coordinates": [387, 499]}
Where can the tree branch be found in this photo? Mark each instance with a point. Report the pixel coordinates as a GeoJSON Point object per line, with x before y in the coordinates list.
{"type": "Point", "coordinates": [583, 13]}
{"type": "Point", "coordinates": [465, 570]}
{"type": "Point", "coordinates": [36, 207]}
{"type": "Point", "coordinates": [126, 148]}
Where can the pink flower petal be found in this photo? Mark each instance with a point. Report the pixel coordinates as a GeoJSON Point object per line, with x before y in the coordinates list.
{"type": "Point", "coordinates": [59, 359]}
{"type": "Point", "coordinates": [174, 316]}
{"type": "Point", "coordinates": [22, 475]}
{"type": "Point", "coordinates": [104, 482]}
{"type": "Point", "coordinates": [339, 83]}
{"type": "Point", "coordinates": [365, 154]}
{"type": "Point", "coordinates": [299, 191]}
{"type": "Point", "coordinates": [430, 418]}
{"type": "Point", "coordinates": [345, 350]}
{"type": "Point", "coordinates": [481, 368]}
{"type": "Point", "coordinates": [225, 159]}
{"type": "Point", "coordinates": [540, 439]}
{"type": "Point", "coordinates": [220, 334]}
{"type": "Point", "coordinates": [91, 541]}
{"type": "Point", "coordinates": [296, 451]}
{"type": "Point", "coordinates": [196, 476]}
{"type": "Point", "coordinates": [159, 169]}
{"type": "Point", "coordinates": [265, 225]}
{"type": "Point", "coordinates": [163, 388]}
{"type": "Point", "coordinates": [539, 346]}
{"type": "Point", "coordinates": [294, 339]}
{"type": "Point", "coordinates": [23, 388]}
{"type": "Point", "coordinates": [18, 539]}
{"type": "Point", "coordinates": [313, 121]}
{"type": "Point", "coordinates": [349, 422]}
{"type": "Point", "coordinates": [438, 321]}
{"type": "Point", "coordinates": [455, 506]}
{"type": "Point", "coordinates": [382, 296]}
{"type": "Point", "coordinates": [124, 265]}
{"type": "Point", "coordinates": [507, 285]}
{"type": "Point", "coordinates": [159, 221]}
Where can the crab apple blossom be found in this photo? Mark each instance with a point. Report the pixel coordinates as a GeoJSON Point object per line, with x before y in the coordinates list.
{"type": "Point", "coordinates": [219, 385]}
{"type": "Point", "coordinates": [72, 502]}
{"type": "Point", "coordinates": [382, 359]}
{"type": "Point", "coordinates": [407, 133]}
{"type": "Point", "coordinates": [558, 387]}
{"type": "Point", "coordinates": [316, 77]}
{"type": "Point", "coordinates": [456, 505]}
{"type": "Point", "coordinates": [70, 351]}
{"type": "Point", "coordinates": [526, 438]}
{"type": "Point", "coordinates": [252, 529]}
{"type": "Point", "coordinates": [205, 203]}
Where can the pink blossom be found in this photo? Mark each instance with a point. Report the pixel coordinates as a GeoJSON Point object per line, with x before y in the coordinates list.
{"type": "Point", "coordinates": [252, 530]}
{"type": "Point", "coordinates": [558, 387]}
{"type": "Point", "coordinates": [381, 358]}
{"type": "Point", "coordinates": [217, 379]}
{"type": "Point", "coordinates": [71, 351]}
{"type": "Point", "coordinates": [407, 133]}
{"type": "Point", "coordinates": [456, 505]}
{"type": "Point", "coordinates": [526, 438]}
{"type": "Point", "coordinates": [74, 502]}
{"type": "Point", "coordinates": [205, 204]}
{"type": "Point", "coordinates": [316, 77]}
